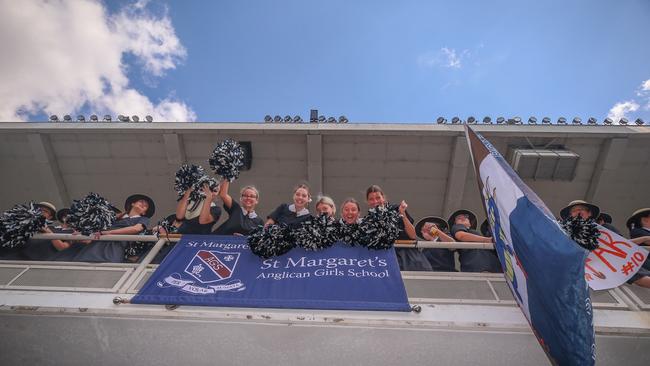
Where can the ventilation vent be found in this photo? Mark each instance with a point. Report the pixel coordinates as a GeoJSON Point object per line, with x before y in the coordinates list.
{"type": "Point", "coordinates": [544, 164]}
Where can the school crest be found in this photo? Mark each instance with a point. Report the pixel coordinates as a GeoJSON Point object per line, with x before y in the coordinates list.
{"type": "Point", "coordinates": [209, 266]}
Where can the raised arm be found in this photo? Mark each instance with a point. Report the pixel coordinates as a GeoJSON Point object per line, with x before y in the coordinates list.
{"type": "Point", "coordinates": [181, 207]}
{"type": "Point", "coordinates": [205, 217]}
{"type": "Point", "coordinates": [408, 225]}
{"type": "Point", "coordinates": [223, 193]}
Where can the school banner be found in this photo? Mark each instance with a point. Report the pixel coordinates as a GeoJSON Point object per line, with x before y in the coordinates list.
{"type": "Point", "coordinates": [614, 262]}
{"type": "Point", "coordinates": [221, 271]}
{"type": "Point", "coordinates": [543, 267]}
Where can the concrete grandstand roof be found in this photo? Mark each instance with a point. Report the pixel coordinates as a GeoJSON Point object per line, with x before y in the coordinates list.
{"type": "Point", "coordinates": [425, 164]}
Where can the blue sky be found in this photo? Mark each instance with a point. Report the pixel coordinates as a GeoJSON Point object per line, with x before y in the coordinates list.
{"type": "Point", "coordinates": [406, 61]}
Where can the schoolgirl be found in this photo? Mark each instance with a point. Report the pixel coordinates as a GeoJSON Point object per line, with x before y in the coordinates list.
{"type": "Point", "coordinates": [295, 213]}
{"type": "Point", "coordinates": [408, 259]}
{"type": "Point", "coordinates": [242, 218]}
{"type": "Point", "coordinates": [138, 210]}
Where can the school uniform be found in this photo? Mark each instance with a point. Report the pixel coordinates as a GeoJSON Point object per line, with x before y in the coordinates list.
{"type": "Point", "coordinates": [638, 232]}
{"type": "Point", "coordinates": [192, 226]}
{"type": "Point", "coordinates": [239, 221]}
{"type": "Point", "coordinates": [44, 250]}
{"type": "Point", "coordinates": [612, 228]}
{"type": "Point", "coordinates": [409, 259]}
{"type": "Point", "coordinates": [476, 260]}
{"type": "Point", "coordinates": [286, 214]}
{"type": "Point", "coordinates": [109, 251]}
{"type": "Point", "coordinates": [440, 259]}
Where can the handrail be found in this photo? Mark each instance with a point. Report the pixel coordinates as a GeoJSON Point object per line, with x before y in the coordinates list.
{"type": "Point", "coordinates": [173, 238]}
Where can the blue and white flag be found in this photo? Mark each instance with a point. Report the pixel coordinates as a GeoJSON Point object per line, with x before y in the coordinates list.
{"type": "Point", "coordinates": [544, 268]}
{"type": "Point", "coordinates": [212, 270]}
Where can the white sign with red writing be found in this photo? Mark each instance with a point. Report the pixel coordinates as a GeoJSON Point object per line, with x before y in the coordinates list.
{"type": "Point", "coordinates": [615, 261]}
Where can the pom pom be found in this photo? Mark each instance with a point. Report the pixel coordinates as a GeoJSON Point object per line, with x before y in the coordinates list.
{"type": "Point", "coordinates": [227, 158]}
{"type": "Point", "coordinates": [19, 223]}
{"type": "Point", "coordinates": [348, 233]}
{"type": "Point", "coordinates": [168, 226]}
{"type": "Point", "coordinates": [192, 177]}
{"type": "Point", "coordinates": [317, 233]}
{"type": "Point", "coordinates": [186, 178]}
{"type": "Point", "coordinates": [379, 228]}
{"type": "Point", "coordinates": [136, 249]}
{"type": "Point", "coordinates": [270, 241]}
{"type": "Point", "coordinates": [584, 232]}
{"type": "Point", "coordinates": [91, 214]}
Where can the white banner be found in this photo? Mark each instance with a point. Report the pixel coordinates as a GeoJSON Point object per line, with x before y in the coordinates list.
{"type": "Point", "coordinates": [615, 261]}
{"type": "Point", "coordinates": [188, 286]}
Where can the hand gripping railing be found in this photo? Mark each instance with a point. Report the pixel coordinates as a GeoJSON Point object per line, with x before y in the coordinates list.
{"type": "Point", "coordinates": [176, 237]}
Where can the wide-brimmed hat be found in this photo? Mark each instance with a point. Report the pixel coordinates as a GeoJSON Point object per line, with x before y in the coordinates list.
{"type": "Point", "coordinates": [136, 197]}
{"type": "Point", "coordinates": [486, 230]}
{"type": "Point", "coordinates": [605, 217]}
{"type": "Point", "coordinates": [636, 217]}
{"type": "Point", "coordinates": [60, 214]}
{"type": "Point", "coordinates": [47, 206]}
{"type": "Point", "coordinates": [439, 221]}
{"type": "Point", "coordinates": [472, 218]}
{"type": "Point", "coordinates": [565, 212]}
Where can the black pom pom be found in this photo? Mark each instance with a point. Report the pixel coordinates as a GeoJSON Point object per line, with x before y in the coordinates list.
{"type": "Point", "coordinates": [270, 241]}
{"type": "Point", "coordinates": [379, 228]}
{"type": "Point", "coordinates": [192, 177]}
{"type": "Point", "coordinates": [348, 233]}
{"type": "Point", "coordinates": [186, 178]}
{"type": "Point", "coordinates": [584, 232]}
{"type": "Point", "coordinates": [168, 226]}
{"type": "Point", "coordinates": [227, 158]}
{"type": "Point", "coordinates": [19, 223]}
{"type": "Point", "coordinates": [317, 233]}
{"type": "Point", "coordinates": [137, 249]}
{"type": "Point", "coordinates": [91, 214]}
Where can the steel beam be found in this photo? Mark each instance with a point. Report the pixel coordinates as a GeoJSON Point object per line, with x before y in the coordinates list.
{"type": "Point", "coordinates": [174, 149]}
{"type": "Point", "coordinates": [609, 159]}
{"type": "Point", "coordinates": [53, 186]}
{"type": "Point", "coordinates": [457, 176]}
{"type": "Point", "coordinates": [315, 163]}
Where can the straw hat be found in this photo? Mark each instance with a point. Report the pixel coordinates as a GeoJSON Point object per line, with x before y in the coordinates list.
{"type": "Point", "coordinates": [439, 221]}
{"type": "Point", "coordinates": [472, 218]}
{"type": "Point", "coordinates": [565, 212]}
{"type": "Point", "coordinates": [47, 206]}
{"type": "Point", "coordinates": [635, 219]}
{"type": "Point", "coordinates": [136, 197]}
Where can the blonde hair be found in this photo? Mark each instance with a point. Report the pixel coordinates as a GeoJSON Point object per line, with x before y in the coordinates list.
{"type": "Point", "coordinates": [252, 188]}
{"type": "Point", "coordinates": [327, 201]}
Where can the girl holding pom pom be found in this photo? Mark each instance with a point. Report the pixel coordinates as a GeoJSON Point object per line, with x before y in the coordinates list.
{"type": "Point", "coordinates": [325, 205]}
{"type": "Point", "coordinates": [409, 259]}
{"type": "Point", "coordinates": [139, 209]}
{"type": "Point", "coordinates": [197, 217]}
{"type": "Point", "coordinates": [242, 218]}
{"type": "Point", "coordinates": [350, 210]}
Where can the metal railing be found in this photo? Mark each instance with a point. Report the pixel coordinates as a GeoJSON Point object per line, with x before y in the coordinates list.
{"type": "Point", "coordinates": [125, 278]}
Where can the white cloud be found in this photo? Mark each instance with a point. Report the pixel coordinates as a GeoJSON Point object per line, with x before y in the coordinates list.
{"type": "Point", "coordinates": [620, 110]}
{"type": "Point", "coordinates": [451, 60]}
{"type": "Point", "coordinates": [645, 86]}
{"type": "Point", "coordinates": [64, 55]}
{"type": "Point", "coordinates": [445, 57]}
